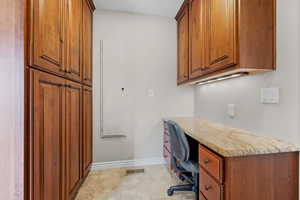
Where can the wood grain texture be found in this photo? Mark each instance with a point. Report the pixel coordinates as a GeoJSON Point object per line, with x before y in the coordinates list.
{"type": "Point", "coordinates": [197, 33]}
{"type": "Point", "coordinates": [268, 177]}
{"type": "Point", "coordinates": [73, 38]}
{"type": "Point", "coordinates": [87, 43]}
{"type": "Point", "coordinates": [73, 118]}
{"type": "Point", "coordinates": [221, 34]}
{"type": "Point", "coordinates": [183, 43]}
{"type": "Point", "coordinates": [229, 36]}
{"type": "Point", "coordinates": [209, 187]}
{"type": "Point", "coordinates": [87, 128]}
{"type": "Point", "coordinates": [211, 162]}
{"type": "Point", "coordinates": [12, 45]}
{"type": "Point", "coordinates": [257, 34]}
{"type": "Point", "coordinates": [48, 35]}
{"type": "Point", "coordinates": [48, 137]}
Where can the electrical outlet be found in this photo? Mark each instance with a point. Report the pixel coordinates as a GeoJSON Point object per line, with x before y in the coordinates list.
{"type": "Point", "coordinates": [231, 110]}
{"type": "Point", "coordinates": [269, 95]}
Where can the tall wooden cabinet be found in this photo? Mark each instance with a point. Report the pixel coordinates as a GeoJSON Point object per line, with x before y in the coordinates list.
{"type": "Point", "coordinates": [59, 134]}
{"type": "Point", "coordinates": [87, 138]}
{"type": "Point", "coordinates": [47, 156]}
{"type": "Point", "coordinates": [47, 35]}
{"type": "Point", "coordinates": [87, 35]}
{"type": "Point", "coordinates": [226, 37]}
{"type": "Point", "coordinates": [74, 31]}
{"type": "Point", "coordinates": [73, 116]}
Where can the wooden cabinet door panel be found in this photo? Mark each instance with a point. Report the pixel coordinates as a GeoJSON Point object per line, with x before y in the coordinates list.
{"type": "Point", "coordinates": [87, 39]}
{"type": "Point", "coordinates": [183, 44]}
{"type": "Point", "coordinates": [47, 35]}
{"type": "Point", "coordinates": [73, 137]}
{"type": "Point", "coordinates": [198, 23]}
{"type": "Point", "coordinates": [87, 128]}
{"type": "Point", "coordinates": [48, 136]}
{"type": "Point", "coordinates": [74, 30]}
{"type": "Point", "coordinates": [222, 34]}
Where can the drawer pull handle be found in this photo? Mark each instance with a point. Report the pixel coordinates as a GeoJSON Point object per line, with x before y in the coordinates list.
{"type": "Point", "coordinates": [207, 187]}
{"type": "Point", "coordinates": [204, 68]}
{"type": "Point", "coordinates": [206, 161]}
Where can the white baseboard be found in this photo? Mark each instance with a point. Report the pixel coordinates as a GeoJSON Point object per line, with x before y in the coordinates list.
{"type": "Point", "coordinates": [127, 163]}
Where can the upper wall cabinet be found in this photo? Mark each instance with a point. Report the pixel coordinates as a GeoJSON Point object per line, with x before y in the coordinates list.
{"type": "Point", "coordinates": [47, 35]}
{"type": "Point", "coordinates": [87, 35]}
{"type": "Point", "coordinates": [61, 38]}
{"type": "Point", "coordinates": [183, 43]}
{"type": "Point", "coordinates": [227, 37]}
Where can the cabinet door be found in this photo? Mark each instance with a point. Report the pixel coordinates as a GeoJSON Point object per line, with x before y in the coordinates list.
{"type": "Point", "coordinates": [48, 137]}
{"type": "Point", "coordinates": [222, 34]}
{"type": "Point", "coordinates": [74, 30]}
{"type": "Point", "coordinates": [87, 129]}
{"type": "Point", "coordinates": [73, 137]}
{"type": "Point", "coordinates": [47, 35]}
{"type": "Point", "coordinates": [87, 39]}
{"type": "Point", "coordinates": [198, 40]}
{"type": "Point", "coordinates": [183, 44]}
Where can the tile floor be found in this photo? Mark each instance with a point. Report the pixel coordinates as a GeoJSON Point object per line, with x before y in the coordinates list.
{"type": "Point", "coordinates": [116, 184]}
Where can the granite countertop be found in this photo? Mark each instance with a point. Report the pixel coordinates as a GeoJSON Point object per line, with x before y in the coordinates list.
{"type": "Point", "coordinates": [231, 142]}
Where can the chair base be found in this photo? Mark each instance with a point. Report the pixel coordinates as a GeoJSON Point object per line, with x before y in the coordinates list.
{"type": "Point", "coordinates": [188, 187]}
{"type": "Point", "coordinates": [194, 187]}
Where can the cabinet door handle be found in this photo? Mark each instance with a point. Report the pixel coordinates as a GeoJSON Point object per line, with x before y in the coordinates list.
{"type": "Point", "coordinates": [204, 68]}
{"type": "Point", "coordinates": [219, 60]}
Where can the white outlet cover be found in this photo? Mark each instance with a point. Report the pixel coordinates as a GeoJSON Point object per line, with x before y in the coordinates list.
{"type": "Point", "coordinates": [231, 110]}
{"type": "Point", "coordinates": [269, 95]}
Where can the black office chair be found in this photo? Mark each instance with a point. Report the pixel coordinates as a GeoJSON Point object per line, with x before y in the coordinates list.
{"type": "Point", "coordinates": [182, 162]}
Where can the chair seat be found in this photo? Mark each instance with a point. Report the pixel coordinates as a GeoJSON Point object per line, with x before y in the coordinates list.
{"type": "Point", "coordinates": [191, 166]}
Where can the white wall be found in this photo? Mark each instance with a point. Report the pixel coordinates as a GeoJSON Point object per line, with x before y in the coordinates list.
{"type": "Point", "coordinates": [139, 54]}
{"type": "Point", "coordinates": [12, 99]}
{"type": "Point", "coordinates": [280, 120]}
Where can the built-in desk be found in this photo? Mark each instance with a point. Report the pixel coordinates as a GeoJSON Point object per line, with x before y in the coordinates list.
{"type": "Point", "coordinates": [238, 165]}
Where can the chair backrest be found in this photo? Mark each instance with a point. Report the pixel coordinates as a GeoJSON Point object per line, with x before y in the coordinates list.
{"type": "Point", "coordinates": [180, 148]}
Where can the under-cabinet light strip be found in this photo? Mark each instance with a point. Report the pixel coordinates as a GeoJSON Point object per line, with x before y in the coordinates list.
{"type": "Point", "coordinates": [222, 78]}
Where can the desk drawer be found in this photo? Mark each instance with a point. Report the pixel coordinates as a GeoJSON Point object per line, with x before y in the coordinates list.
{"type": "Point", "coordinates": [211, 162]}
{"type": "Point", "coordinates": [209, 187]}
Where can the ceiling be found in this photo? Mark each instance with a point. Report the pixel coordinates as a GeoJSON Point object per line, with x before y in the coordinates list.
{"type": "Point", "coordinates": [167, 8]}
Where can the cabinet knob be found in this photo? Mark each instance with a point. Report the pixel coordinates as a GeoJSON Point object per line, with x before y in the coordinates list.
{"type": "Point", "coordinates": [207, 187]}
{"type": "Point", "coordinates": [206, 161]}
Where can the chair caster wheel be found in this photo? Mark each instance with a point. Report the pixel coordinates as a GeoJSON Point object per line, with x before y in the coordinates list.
{"type": "Point", "coordinates": [170, 192]}
{"type": "Point", "coordinates": [181, 178]}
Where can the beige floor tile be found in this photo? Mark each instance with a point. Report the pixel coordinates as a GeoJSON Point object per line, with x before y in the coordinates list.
{"type": "Point", "coordinates": [115, 184]}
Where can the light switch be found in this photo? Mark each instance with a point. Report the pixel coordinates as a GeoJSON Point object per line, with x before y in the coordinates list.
{"type": "Point", "coordinates": [231, 110]}
{"type": "Point", "coordinates": [123, 92]}
{"type": "Point", "coordinates": [270, 95]}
